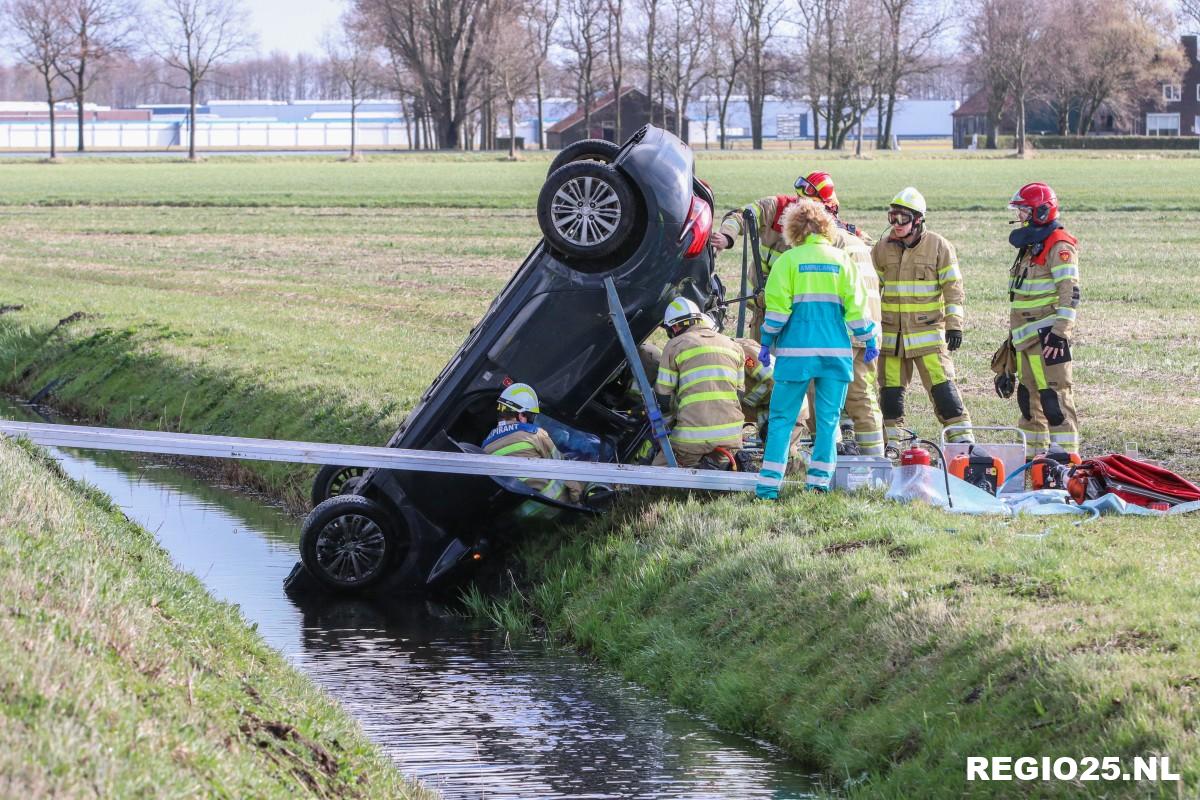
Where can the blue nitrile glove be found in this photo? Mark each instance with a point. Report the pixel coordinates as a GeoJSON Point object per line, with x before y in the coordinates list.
{"type": "Point", "coordinates": [764, 355]}
{"type": "Point", "coordinates": [872, 352]}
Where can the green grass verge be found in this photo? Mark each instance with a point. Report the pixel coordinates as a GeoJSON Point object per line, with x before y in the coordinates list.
{"type": "Point", "coordinates": [885, 644]}
{"type": "Point", "coordinates": [124, 678]}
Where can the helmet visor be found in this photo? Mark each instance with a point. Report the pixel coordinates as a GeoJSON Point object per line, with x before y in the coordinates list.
{"type": "Point", "coordinates": [805, 188]}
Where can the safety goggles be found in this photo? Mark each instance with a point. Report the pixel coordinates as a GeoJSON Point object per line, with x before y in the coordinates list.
{"type": "Point", "coordinates": [804, 187]}
{"type": "Point", "coordinates": [900, 217]}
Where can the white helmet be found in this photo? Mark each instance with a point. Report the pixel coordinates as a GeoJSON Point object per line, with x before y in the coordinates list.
{"type": "Point", "coordinates": [910, 198]}
{"type": "Point", "coordinates": [519, 397]}
{"type": "Point", "coordinates": [680, 310]}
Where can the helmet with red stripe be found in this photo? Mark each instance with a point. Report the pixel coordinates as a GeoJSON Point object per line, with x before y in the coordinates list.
{"type": "Point", "coordinates": [819, 186]}
{"type": "Point", "coordinates": [1039, 200]}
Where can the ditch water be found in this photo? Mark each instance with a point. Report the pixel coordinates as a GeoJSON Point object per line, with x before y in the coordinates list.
{"type": "Point", "coordinates": [453, 705]}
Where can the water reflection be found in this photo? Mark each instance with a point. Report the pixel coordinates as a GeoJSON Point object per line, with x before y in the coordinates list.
{"type": "Point", "coordinates": [450, 703]}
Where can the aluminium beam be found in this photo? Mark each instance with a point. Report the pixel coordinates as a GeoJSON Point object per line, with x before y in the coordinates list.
{"type": "Point", "coordinates": [198, 445]}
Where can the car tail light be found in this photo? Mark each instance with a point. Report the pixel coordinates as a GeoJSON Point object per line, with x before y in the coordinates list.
{"type": "Point", "coordinates": [699, 224]}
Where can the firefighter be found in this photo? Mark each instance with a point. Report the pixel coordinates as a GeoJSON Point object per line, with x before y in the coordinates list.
{"type": "Point", "coordinates": [1043, 293]}
{"type": "Point", "coordinates": [922, 316]}
{"type": "Point", "coordinates": [517, 434]}
{"type": "Point", "coordinates": [862, 405]}
{"type": "Point", "coordinates": [813, 298]}
{"type": "Point", "coordinates": [699, 378]}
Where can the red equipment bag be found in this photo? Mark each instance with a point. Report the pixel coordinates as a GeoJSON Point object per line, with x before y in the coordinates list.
{"type": "Point", "coordinates": [1131, 480]}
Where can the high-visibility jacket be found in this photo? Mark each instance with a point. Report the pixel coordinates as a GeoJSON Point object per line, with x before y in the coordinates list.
{"type": "Point", "coordinates": [1044, 290]}
{"type": "Point", "coordinates": [922, 294]}
{"type": "Point", "coordinates": [703, 371]}
{"type": "Point", "coordinates": [813, 296]}
{"type": "Point", "coordinates": [858, 245]}
{"type": "Point", "coordinates": [526, 440]}
{"type": "Point", "coordinates": [759, 378]}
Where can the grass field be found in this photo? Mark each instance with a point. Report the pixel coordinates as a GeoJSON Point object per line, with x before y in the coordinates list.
{"type": "Point", "coordinates": [312, 299]}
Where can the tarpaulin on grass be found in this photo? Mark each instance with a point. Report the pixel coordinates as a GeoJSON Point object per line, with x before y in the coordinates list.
{"type": "Point", "coordinates": [928, 485]}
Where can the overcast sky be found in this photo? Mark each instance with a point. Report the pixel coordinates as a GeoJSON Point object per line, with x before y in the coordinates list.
{"type": "Point", "coordinates": [293, 26]}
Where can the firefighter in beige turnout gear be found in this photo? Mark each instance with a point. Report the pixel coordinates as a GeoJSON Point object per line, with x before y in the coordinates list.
{"type": "Point", "coordinates": [922, 314]}
{"type": "Point", "coordinates": [699, 379]}
{"type": "Point", "coordinates": [517, 435]}
{"type": "Point", "coordinates": [1043, 292]}
{"type": "Point", "coordinates": [862, 403]}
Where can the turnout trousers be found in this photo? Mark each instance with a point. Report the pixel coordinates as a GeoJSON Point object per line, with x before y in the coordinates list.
{"type": "Point", "coordinates": [937, 375]}
{"type": "Point", "coordinates": [786, 399]}
{"type": "Point", "coordinates": [1046, 403]}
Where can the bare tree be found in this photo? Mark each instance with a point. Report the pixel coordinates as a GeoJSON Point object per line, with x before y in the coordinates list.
{"type": "Point", "coordinates": [39, 38]}
{"type": "Point", "coordinates": [914, 28]}
{"type": "Point", "coordinates": [1130, 50]}
{"type": "Point", "coordinates": [584, 38]}
{"type": "Point", "coordinates": [1023, 24]}
{"type": "Point", "coordinates": [98, 31]}
{"type": "Point", "coordinates": [1191, 9]}
{"type": "Point", "coordinates": [727, 43]}
{"type": "Point", "coordinates": [684, 52]}
{"type": "Point", "coordinates": [762, 18]}
{"type": "Point", "coordinates": [985, 30]}
{"type": "Point", "coordinates": [512, 70]}
{"type": "Point", "coordinates": [844, 60]}
{"type": "Point", "coordinates": [193, 36]}
{"type": "Point", "coordinates": [614, 34]}
{"type": "Point", "coordinates": [649, 10]}
{"type": "Point", "coordinates": [440, 42]}
{"type": "Point", "coordinates": [351, 54]}
{"type": "Point", "coordinates": [541, 19]}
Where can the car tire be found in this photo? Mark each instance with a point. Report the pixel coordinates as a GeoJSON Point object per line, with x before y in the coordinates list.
{"type": "Point", "coordinates": [600, 150]}
{"type": "Point", "coordinates": [333, 480]}
{"type": "Point", "coordinates": [586, 210]}
{"type": "Point", "coordinates": [349, 542]}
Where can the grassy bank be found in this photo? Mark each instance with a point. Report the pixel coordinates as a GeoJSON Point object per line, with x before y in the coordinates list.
{"type": "Point", "coordinates": [888, 661]}
{"type": "Point", "coordinates": [125, 678]}
{"type": "Point", "coordinates": [885, 645]}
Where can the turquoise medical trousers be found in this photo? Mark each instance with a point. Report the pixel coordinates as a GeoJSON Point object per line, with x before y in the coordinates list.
{"type": "Point", "coordinates": [786, 398]}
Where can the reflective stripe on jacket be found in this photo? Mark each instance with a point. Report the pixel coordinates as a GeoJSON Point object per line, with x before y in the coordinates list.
{"type": "Point", "coordinates": [1044, 295]}
{"type": "Point", "coordinates": [525, 440]}
{"type": "Point", "coordinates": [703, 371]}
{"type": "Point", "coordinates": [922, 294]}
{"type": "Point", "coordinates": [813, 296]}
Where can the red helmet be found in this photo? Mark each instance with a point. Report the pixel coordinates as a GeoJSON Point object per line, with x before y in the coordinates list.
{"type": "Point", "coordinates": [1041, 201]}
{"type": "Point", "coordinates": [818, 185]}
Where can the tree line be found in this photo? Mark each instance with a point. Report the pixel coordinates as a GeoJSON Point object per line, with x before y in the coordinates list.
{"type": "Point", "coordinates": [461, 67]}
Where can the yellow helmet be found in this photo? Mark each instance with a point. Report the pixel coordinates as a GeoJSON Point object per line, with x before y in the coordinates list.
{"type": "Point", "coordinates": [519, 397]}
{"type": "Point", "coordinates": [910, 198]}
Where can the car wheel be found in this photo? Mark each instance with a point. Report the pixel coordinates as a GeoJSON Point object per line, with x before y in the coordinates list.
{"type": "Point", "coordinates": [348, 542]}
{"type": "Point", "coordinates": [333, 480]}
{"type": "Point", "coordinates": [600, 150]}
{"type": "Point", "coordinates": [586, 210]}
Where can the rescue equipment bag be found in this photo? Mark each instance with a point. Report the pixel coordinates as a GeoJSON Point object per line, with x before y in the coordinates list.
{"type": "Point", "coordinates": [1133, 481]}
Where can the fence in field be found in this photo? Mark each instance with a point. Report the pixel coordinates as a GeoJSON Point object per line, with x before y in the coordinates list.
{"type": "Point", "coordinates": [230, 134]}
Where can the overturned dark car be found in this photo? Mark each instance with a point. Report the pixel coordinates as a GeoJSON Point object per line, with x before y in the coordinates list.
{"type": "Point", "coordinates": [634, 213]}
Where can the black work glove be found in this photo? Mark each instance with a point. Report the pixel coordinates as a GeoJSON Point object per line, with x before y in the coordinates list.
{"type": "Point", "coordinates": [1006, 384]}
{"type": "Point", "coordinates": [953, 340]}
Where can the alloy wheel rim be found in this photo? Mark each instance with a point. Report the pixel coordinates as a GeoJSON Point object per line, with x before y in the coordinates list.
{"type": "Point", "coordinates": [585, 211]}
{"type": "Point", "coordinates": [350, 548]}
